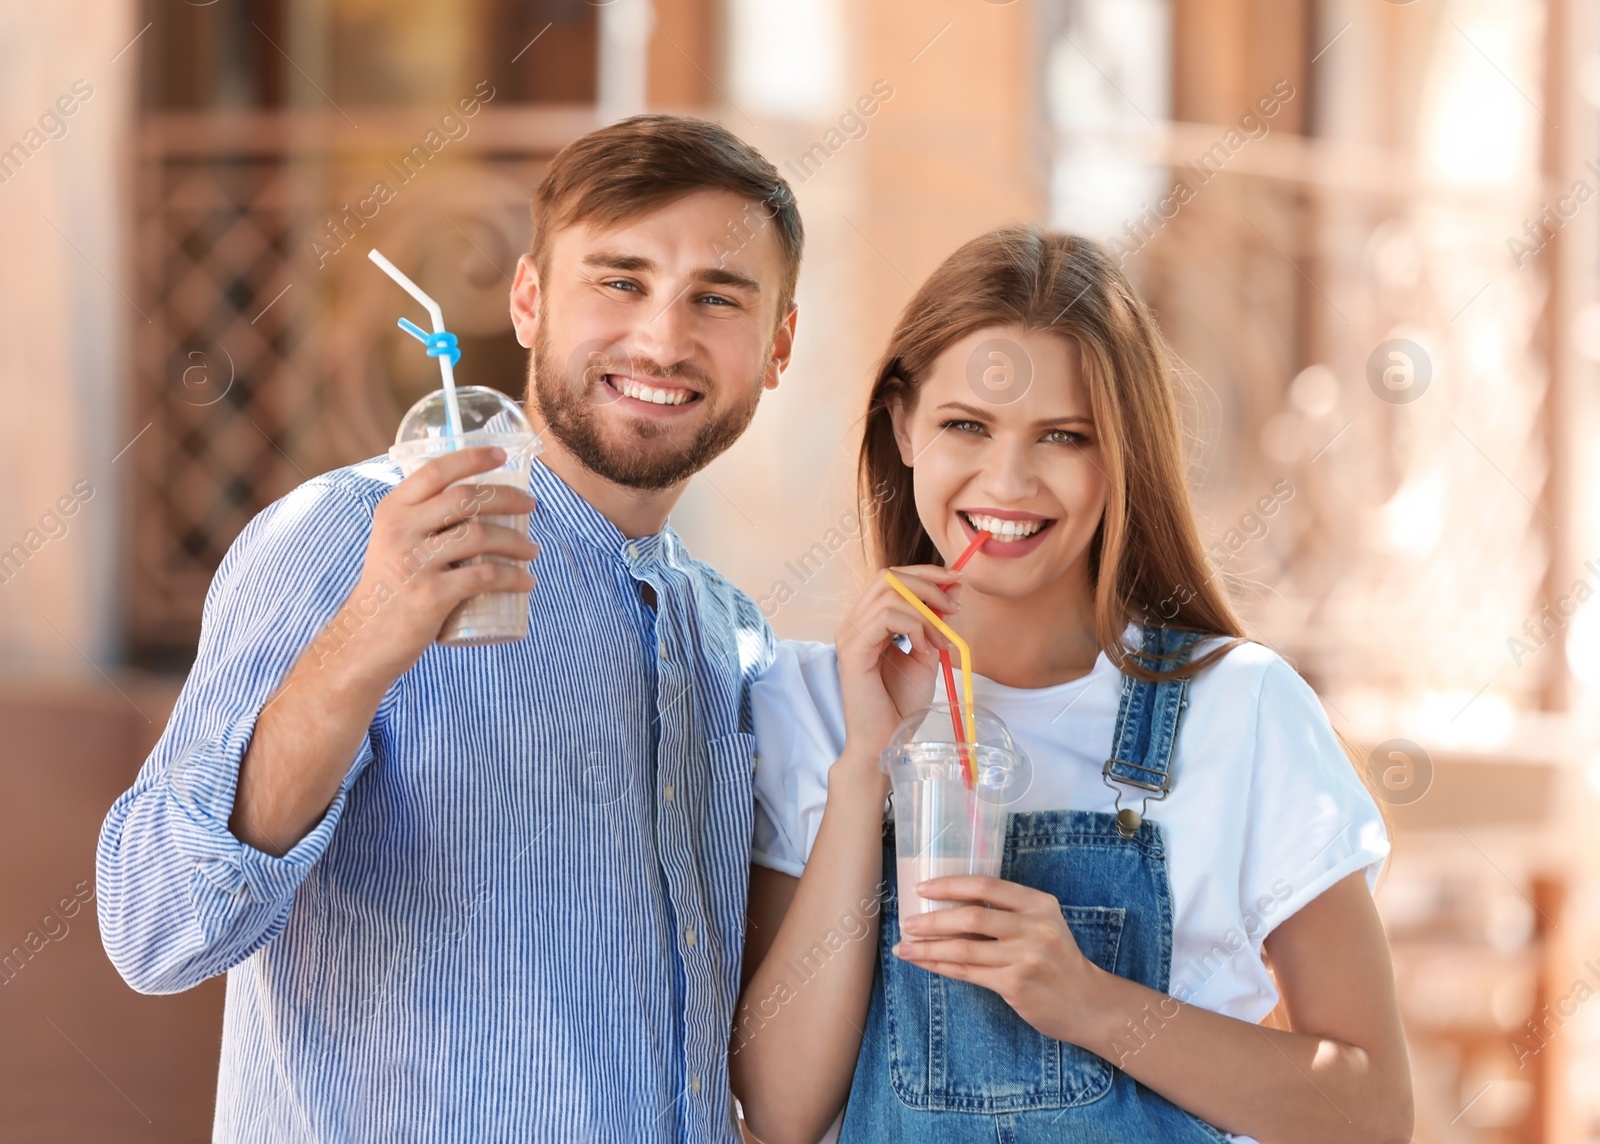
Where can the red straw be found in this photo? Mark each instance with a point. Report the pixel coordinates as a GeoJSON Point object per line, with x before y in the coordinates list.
{"type": "Point", "coordinates": [950, 694]}
{"type": "Point", "coordinates": [944, 654]}
{"type": "Point", "coordinates": [972, 550]}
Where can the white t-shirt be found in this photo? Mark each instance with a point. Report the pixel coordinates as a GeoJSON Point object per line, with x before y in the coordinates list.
{"type": "Point", "coordinates": [1265, 812]}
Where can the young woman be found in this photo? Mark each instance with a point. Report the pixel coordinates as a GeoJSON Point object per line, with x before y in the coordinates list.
{"type": "Point", "coordinates": [1110, 984]}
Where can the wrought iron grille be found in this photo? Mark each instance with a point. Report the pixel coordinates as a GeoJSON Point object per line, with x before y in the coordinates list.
{"type": "Point", "coordinates": [272, 354]}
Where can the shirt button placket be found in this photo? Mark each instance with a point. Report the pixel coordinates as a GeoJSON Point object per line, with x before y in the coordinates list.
{"type": "Point", "coordinates": [676, 851]}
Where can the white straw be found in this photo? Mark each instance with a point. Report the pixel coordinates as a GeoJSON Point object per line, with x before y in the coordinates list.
{"type": "Point", "coordinates": [446, 367]}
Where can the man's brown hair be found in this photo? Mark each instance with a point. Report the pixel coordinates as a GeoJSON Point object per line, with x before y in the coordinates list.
{"type": "Point", "coordinates": [643, 163]}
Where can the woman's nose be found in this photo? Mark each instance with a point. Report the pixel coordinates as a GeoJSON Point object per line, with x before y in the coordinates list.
{"type": "Point", "coordinates": [1008, 473]}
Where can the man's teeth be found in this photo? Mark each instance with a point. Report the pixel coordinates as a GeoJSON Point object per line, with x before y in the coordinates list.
{"type": "Point", "coordinates": [630, 388]}
{"type": "Point", "coordinates": [1004, 529]}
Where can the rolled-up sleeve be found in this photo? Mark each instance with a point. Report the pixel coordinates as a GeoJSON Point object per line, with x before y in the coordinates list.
{"type": "Point", "coordinates": [180, 897]}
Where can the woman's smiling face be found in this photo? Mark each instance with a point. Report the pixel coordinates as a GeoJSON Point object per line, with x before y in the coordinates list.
{"type": "Point", "coordinates": [1028, 471]}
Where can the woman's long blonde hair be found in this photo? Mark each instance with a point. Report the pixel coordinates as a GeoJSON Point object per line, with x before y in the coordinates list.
{"type": "Point", "coordinates": [1146, 560]}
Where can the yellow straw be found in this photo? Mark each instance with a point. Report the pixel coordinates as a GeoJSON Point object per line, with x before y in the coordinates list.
{"type": "Point", "coordinates": [961, 646]}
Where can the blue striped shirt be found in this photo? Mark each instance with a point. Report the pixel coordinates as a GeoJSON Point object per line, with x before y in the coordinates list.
{"type": "Point", "coordinates": [522, 916]}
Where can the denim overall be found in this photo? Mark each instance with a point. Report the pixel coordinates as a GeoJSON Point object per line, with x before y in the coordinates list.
{"type": "Point", "coordinates": [945, 1060]}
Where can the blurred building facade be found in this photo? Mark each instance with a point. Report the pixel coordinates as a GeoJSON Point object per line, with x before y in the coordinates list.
{"type": "Point", "coordinates": [1365, 226]}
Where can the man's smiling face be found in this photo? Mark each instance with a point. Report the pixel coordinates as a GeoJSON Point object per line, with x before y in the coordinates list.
{"type": "Point", "coordinates": [654, 337]}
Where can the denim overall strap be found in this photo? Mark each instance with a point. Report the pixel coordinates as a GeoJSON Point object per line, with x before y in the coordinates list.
{"type": "Point", "coordinates": [1147, 719]}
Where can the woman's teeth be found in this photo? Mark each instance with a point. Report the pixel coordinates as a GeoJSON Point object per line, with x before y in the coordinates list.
{"type": "Point", "coordinates": [630, 388]}
{"type": "Point", "coordinates": [1004, 529]}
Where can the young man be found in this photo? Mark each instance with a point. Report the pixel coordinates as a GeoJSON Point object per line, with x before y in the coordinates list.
{"type": "Point", "coordinates": [491, 893]}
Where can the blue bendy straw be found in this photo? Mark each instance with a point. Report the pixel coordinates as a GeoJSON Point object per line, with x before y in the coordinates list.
{"type": "Point", "coordinates": [441, 343]}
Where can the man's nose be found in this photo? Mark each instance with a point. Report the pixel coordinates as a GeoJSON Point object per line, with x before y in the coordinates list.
{"type": "Point", "coordinates": [666, 332]}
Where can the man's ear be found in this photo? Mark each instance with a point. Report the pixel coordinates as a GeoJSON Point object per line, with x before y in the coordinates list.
{"type": "Point", "coordinates": [782, 348]}
{"type": "Point", "coordinates": [899, 416]}
{"type": "Point", "coordinates": [525, 302]}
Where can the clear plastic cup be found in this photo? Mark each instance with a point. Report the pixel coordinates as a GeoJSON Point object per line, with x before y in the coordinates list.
{"type": "Point", "coordinates": [950, 813]}
{"type": "Point", "coordinates": [488, 417]}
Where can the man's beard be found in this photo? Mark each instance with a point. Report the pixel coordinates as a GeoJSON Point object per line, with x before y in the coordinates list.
{"type": "Point", "coordinates": [569, 410]}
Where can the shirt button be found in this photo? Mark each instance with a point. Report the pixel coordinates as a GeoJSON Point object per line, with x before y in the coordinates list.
{"type": "Point", "coordinates": [694, 1084]}
{"type": "Point", "coordinates": [688, 937]}
{"type": "Point", "coordinates": [666, 793]}
{"type": "Point", "coordinates": [631, 549]}
{"type": "Point", "coordinates": [661, 649]}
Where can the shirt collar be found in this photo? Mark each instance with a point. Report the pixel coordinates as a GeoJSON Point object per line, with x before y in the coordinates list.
{"type": "Point", "coordinates": [579, 518]}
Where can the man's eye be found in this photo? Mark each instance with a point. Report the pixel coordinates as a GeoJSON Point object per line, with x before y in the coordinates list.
{"type": "Point", "coordinates": [622, 284]}
{"type": "Point", "coordinates": [718, 299]}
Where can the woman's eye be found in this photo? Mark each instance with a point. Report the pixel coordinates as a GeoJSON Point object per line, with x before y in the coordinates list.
{"type": "Point", "coordinates": [963, 426]}
{"type": "Point", "coordinates": [1065, 437]}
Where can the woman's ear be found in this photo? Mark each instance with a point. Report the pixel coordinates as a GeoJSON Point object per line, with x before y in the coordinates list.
{"type": "Point", "coordinates": [899, 415]}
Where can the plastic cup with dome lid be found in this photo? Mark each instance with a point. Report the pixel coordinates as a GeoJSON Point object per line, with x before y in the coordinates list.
{"type": "Point", "coordinates": [952, 794]}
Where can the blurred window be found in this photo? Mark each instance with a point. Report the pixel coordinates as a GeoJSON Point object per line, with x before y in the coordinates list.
{"type": "Point", "coordinates": [1108, 95]}
{"type": "Point", "coordinates": [255, 55]}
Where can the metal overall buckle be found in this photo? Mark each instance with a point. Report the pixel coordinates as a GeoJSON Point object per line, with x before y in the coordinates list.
{"type": "Point", "coordinates": [1129, 820]}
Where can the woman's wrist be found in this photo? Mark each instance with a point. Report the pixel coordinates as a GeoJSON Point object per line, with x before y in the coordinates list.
{"type": "Point", "coordinates": [1101, 1008]}
{"type": "Point", "coordinates": [855, 772]}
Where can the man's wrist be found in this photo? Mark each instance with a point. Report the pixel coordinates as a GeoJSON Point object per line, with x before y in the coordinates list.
{"type": "Point", "coordinates": [339, 660]}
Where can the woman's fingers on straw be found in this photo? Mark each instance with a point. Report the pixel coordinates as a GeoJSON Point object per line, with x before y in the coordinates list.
{"type": "Point", "coordinates": [900, 619]}
{"type": "Point", "coordinates": [937, 573]}
{"type": "Point", "coordinates": [930, 591]}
